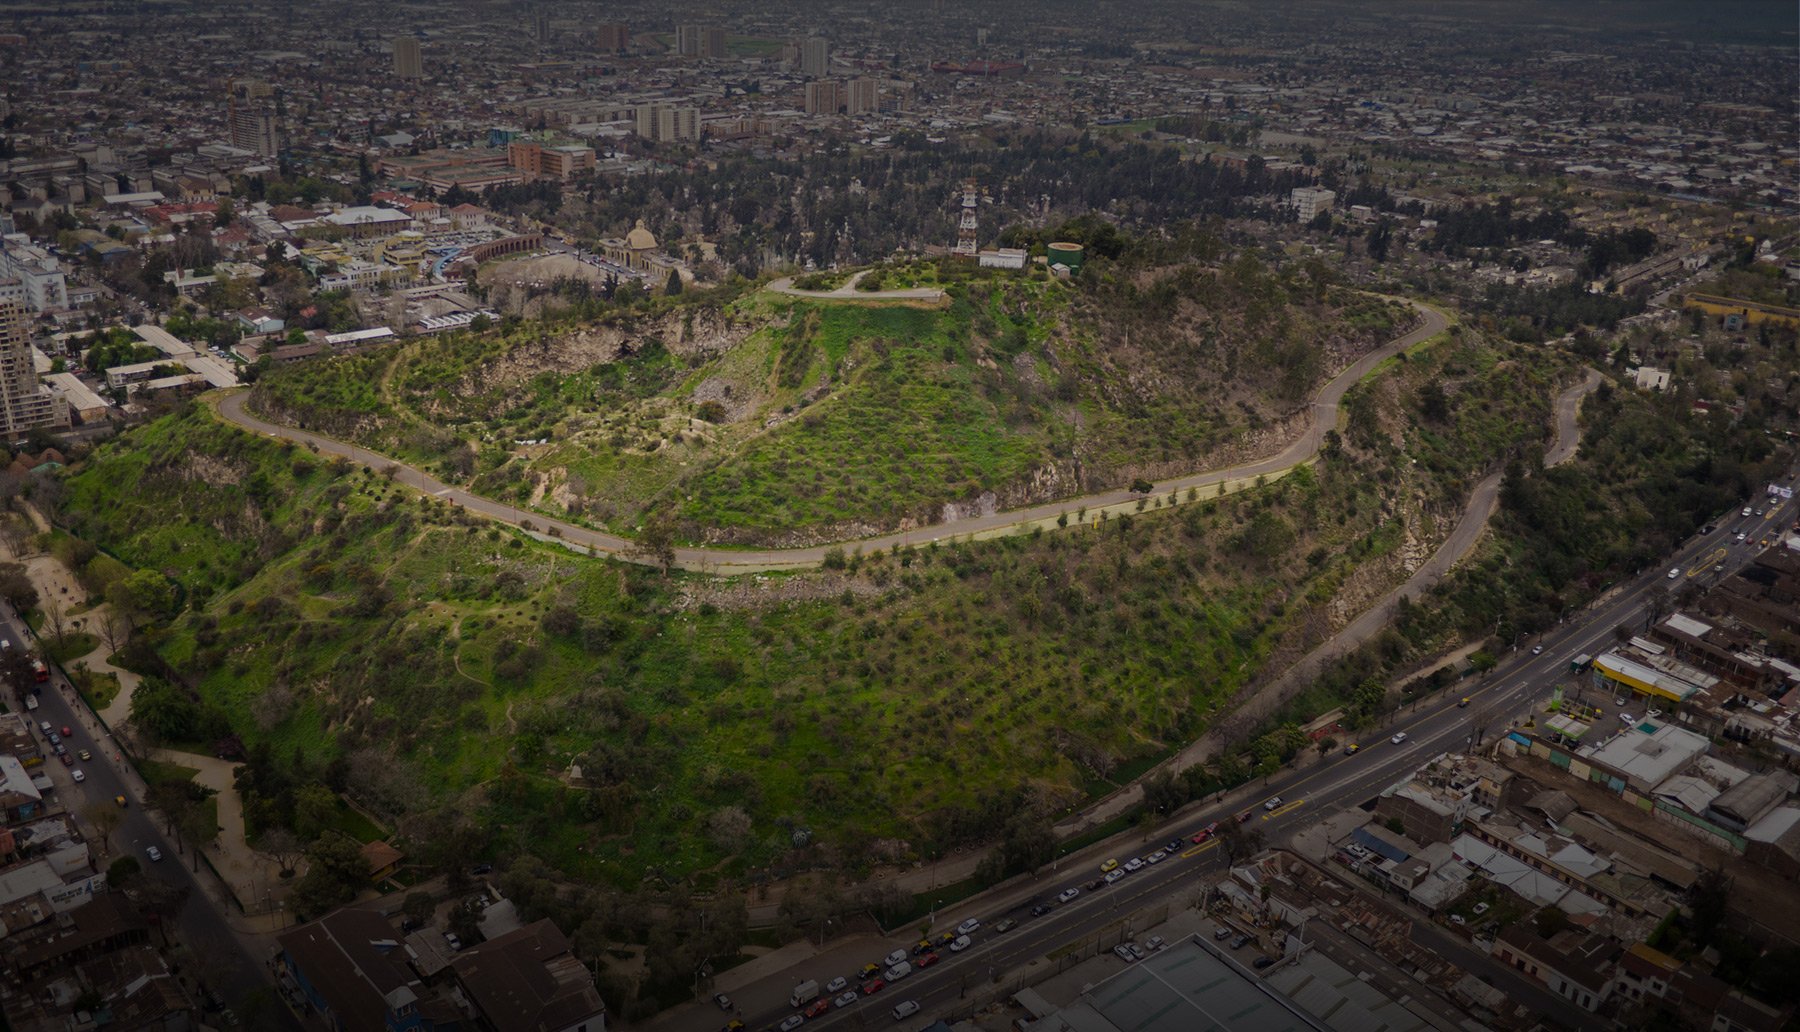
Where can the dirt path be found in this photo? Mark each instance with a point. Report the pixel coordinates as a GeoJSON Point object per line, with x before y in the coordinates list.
{"type": "Point", "coordinates": [1050, 517]}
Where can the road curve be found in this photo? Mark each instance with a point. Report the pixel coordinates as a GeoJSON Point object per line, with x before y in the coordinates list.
{"type": "Point", "coordinates": [1260, 701]}
{"type": "Point", "coordinates": [848, 292]}
{"type": "Point", "coordinates": [1049, 516]}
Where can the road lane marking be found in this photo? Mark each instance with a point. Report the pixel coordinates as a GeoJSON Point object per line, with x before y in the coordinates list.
{"type": "Point", "coordinates": [1201, 848]}
{"type": "Point", "coordinates": [1284, 809]}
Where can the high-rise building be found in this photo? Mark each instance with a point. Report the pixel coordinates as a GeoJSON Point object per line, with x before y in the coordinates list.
{"type": "Point", "coordinates": [540, 24]}
{"type": "Point", "coordinates": [687, 40]}
{"type": "Point", "coordinates": [25, 404]}
{"type": "Point", "coordinates": [251, 117]}
{"type": "Point", "coordinates": [863, 97]}
{"type": "Point", "coordinates": [612, 38]}
{"type": "Point", "coordinates": [967, 228]}
{"type": "Point", "coordinates": [408, 63]}
{"type": "Point", "coordinates": [712, 44]}
{"type": "Point", "coordinates": [822, 97]}
{"type": "Point", "coordinates": [815, 58]}
{"type": "Point", "coordinates": [668, 123]}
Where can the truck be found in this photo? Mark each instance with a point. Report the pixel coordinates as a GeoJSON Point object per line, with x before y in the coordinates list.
{"type": "Point", "coordinates": [804, 993]}
{"type": "Point", "coordinates": [898, 971]}
{"type": "Point", "coordinates": [31, 702]}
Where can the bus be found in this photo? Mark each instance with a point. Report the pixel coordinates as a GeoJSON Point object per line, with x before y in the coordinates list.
{"type": "Point", "coordinates": [1580, 663]}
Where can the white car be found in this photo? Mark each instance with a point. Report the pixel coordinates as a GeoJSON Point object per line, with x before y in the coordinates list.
{"type": "Point", "coordinates": [154, 854]}
{"type": "Point", "coordinates": [894, 958]}
{"type": "Point", "coordinates": [1746, 511]}
{"type": "Point", "coordinates": [905, 1009]}
{"type": "Point", "coordinates": [1157, 857]}
{"type": "Point", "coordinates": [1154, 943]}
{"type": "Point", "coordinates": [962, 943]}
{"type": "Point", "coordinates": [78, 775]}
{"type": "Point", "coordinates": [1398, 738]}
{"type": "Point", "coordinates": [837, 985]}
{"type": "Point", "coordinates": [1272, 803]}
{"type": "Point", "coordinates": [1136, 863]}
{"type": "Point", "coordinates": [792, 1022]}
{"type": "Point", "coordinates": [1114, 875]}
{"type": "Point", "coordinates": [1625, 718]}
{"type": "Point", "coordinates": [1067, 894]}
{"type": "Point", "coordinates": [968, 927]}
{"type": "Point", "coordinates": [1676, 572]}
{"type": "Point", "coordinates": [845, 1000]}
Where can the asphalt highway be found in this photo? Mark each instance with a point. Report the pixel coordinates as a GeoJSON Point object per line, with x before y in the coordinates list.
{"type": "Point", "coordinates": [1432, 728]}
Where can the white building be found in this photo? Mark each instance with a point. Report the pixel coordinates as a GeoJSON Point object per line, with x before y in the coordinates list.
{"type": "Point", "coordinates": [1309, 201]}
{"type": "Point", "coordinates": [37, 272]}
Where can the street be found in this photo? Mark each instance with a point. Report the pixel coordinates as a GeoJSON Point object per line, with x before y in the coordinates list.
{"type": "Point", "coordinates": [1341, 781]}
{"type": "Point", "coordinates": [221, 960]}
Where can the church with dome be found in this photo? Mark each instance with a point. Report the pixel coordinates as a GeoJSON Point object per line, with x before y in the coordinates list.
{"type": "Point", "coordinates": [639, 252]}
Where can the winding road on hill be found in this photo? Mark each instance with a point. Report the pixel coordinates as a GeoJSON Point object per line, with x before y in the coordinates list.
{"type": "Point", "coordinates": [1049, 516]}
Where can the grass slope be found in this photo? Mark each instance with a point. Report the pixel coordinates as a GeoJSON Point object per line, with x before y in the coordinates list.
{"type": "Point", "coordinates": [897, 709]}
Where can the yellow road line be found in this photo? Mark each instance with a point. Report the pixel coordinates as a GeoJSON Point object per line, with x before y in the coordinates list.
{"type": "Point", "coordinates": [1284, 809]}
{"type": "Point", "coordinates": [1201, 848]}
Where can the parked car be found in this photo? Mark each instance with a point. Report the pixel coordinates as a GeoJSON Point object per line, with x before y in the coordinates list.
{"type": "Point", "coordinates": [1005, 924]}
{"type": "Point", "coordinates": [968, 927]}
{"type": "Point", "coordinates": [1157, 857]}
{"type": "Point", "coordinates": [455, 943]}
{"type": "Point", "coordinates": [67, 760]}
{"type": "Point", "coordinates": [83, 754]}
{"type": "Point", "coordinates": [78, 776]}
{"type": "Point", "coordinates": [1136, 863]}
{"type": "Point", "coordinates": [962, 943]}
{"type": "Point", "coordinates": [1115, 875]}
{"type": "Point", "coordinates": [1202, 835]}
{"type": "Point", "coordinates": [837, 985]}
{"type": "Point", "coordinates": [819, 1006]}
{"type": "Point", "coordinates": [1244, 816]}
{"type": "Point", "coordinates": [894, 958]}
{"type": "Point", "coordinates": [1272, 803]}
{"type": "Point", "coordinates": [66, 732]}
{"type": "Point", "coordinates": [791, 1022]}
{"type": "Point", "coordinates": [844, 999]}
{"type": "Point", "coordinates": [723, 1001]}
{"type": "Point", "coordinates": [873, 986]}
{"type": "Point", "coordinates": [1221, 933]}
{"type": "Point", "coordinates": [122, 801]}
{"type": "Point", "coordinates": [1041, 909]}
{"type": "Point", "coordinates": [922, 946]}
{"type": "Point", "coordinates": [1238, 943]}
{"type": "Point", "coordinates": [1067, 894]}
{"type": "Point", "coordinates": [1107, 867]}
{"type": "Point", "coordinates": [1352, 748]}
{"type": "Point", "coordinates": [1137, 952]}
{"type": "Point", "coordinates": [154, 854]}
{"type": "Point", "coordinates": [1122, 953]}
{"type": "Point", "coordinates": [868, 971]}
{"type": "Point", "coordinates": [1173, 845]}
{"type": "Point", "coordinates": [1155, 942]}
{"type": "Point", "coordinates": [905, 1009]}
{"type": "Point", "coordinates": [928, 959]}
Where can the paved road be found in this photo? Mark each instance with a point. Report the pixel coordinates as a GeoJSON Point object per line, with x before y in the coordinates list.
{"type": "Point", "coordinates": [730, 561]}
{"type": "Point", "coordinates": [1497, 700]}
{"type": "Point", "coordinates": [848, 292]}
{"type": "Point", "coordinates": [1261, 700]}
{"type": "Point", "coordinates": [225, 962]}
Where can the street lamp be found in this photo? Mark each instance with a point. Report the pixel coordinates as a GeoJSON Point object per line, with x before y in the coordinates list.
{"type": "Point", "coordinates": [931, 921]}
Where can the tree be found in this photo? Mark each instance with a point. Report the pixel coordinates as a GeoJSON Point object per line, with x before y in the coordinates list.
{"type": "Point", "coordinates": [105, 817]}
{"type": "Point", "coordinates": [315, 810]}
{"type": "Point", "coordinates": [418, 907]}
{"type": "Point", "coordinates": [729, 828]}
{"type": "Point", "coordinates": [144, 593]}
{"type": "Point", "coordinates": [336, 875]}
{"type": "Point", "coordinates": [284, 847]}
{"type": "Point", "coordinates": [197, 824]}
{"type": "Point", "coordinates": [114, 627]}
{"type": "Point", "coordinates": [672, 286]}
{"type": "Point", "coordinates": [16, 587]}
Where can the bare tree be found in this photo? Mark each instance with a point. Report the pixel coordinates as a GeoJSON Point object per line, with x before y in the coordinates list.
{"type": "Point", "coordinates": [55, 618]}
{"type": "Point", "coordinates": [284, 847]}
{"type": "Point", "coordinates": [105, 817]}
{"type": "Point", "coordinates": [115, 628]}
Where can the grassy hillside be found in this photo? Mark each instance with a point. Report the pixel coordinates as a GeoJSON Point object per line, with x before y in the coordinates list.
{"type": "Point", "coordinates": [895, 709]}
{"type": "Point", "coordinates": [774, 419]}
